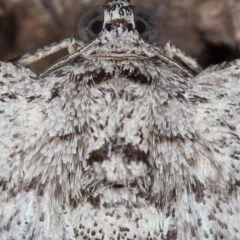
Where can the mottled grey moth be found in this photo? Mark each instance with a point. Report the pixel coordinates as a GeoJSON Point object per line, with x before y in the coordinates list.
{"type": "Point", "coordinates": [120, 139]}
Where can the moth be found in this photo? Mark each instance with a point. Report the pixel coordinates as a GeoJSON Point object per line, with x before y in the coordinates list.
{"type": "Point", "coordinates": [121, 139]}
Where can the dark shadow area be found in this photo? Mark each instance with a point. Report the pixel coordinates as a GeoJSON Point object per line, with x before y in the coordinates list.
{"type": "Point", "coordinates": [8, 34]}
{"type": "Point", "coordinates": [217, 54]}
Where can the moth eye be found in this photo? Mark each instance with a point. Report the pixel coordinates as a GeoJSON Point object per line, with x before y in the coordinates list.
{"type": "Point", "coordinates": [91, 24]}
{"type": "Point", "coordinates": [146, 24]}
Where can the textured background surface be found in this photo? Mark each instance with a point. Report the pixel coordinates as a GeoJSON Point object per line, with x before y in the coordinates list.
{"type": "Point", "coordinates": [208, 30]}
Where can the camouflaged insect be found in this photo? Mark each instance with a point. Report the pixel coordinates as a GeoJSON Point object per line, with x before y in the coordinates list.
{"type": "Point", "coordinates": [121, 139]}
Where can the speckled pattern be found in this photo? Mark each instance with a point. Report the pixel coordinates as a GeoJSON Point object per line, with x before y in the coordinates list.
{"type": "Point", "coordinates": [119, 141]}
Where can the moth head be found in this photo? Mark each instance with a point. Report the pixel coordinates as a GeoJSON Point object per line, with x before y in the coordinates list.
{"type": "Point", "coordinates": [117, 13]}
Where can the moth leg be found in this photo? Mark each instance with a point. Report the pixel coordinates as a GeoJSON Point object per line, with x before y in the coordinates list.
{"type": "Point", "coordinates": [174, 53]}
{"type": "Point", "coordinates": [71, 44]}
